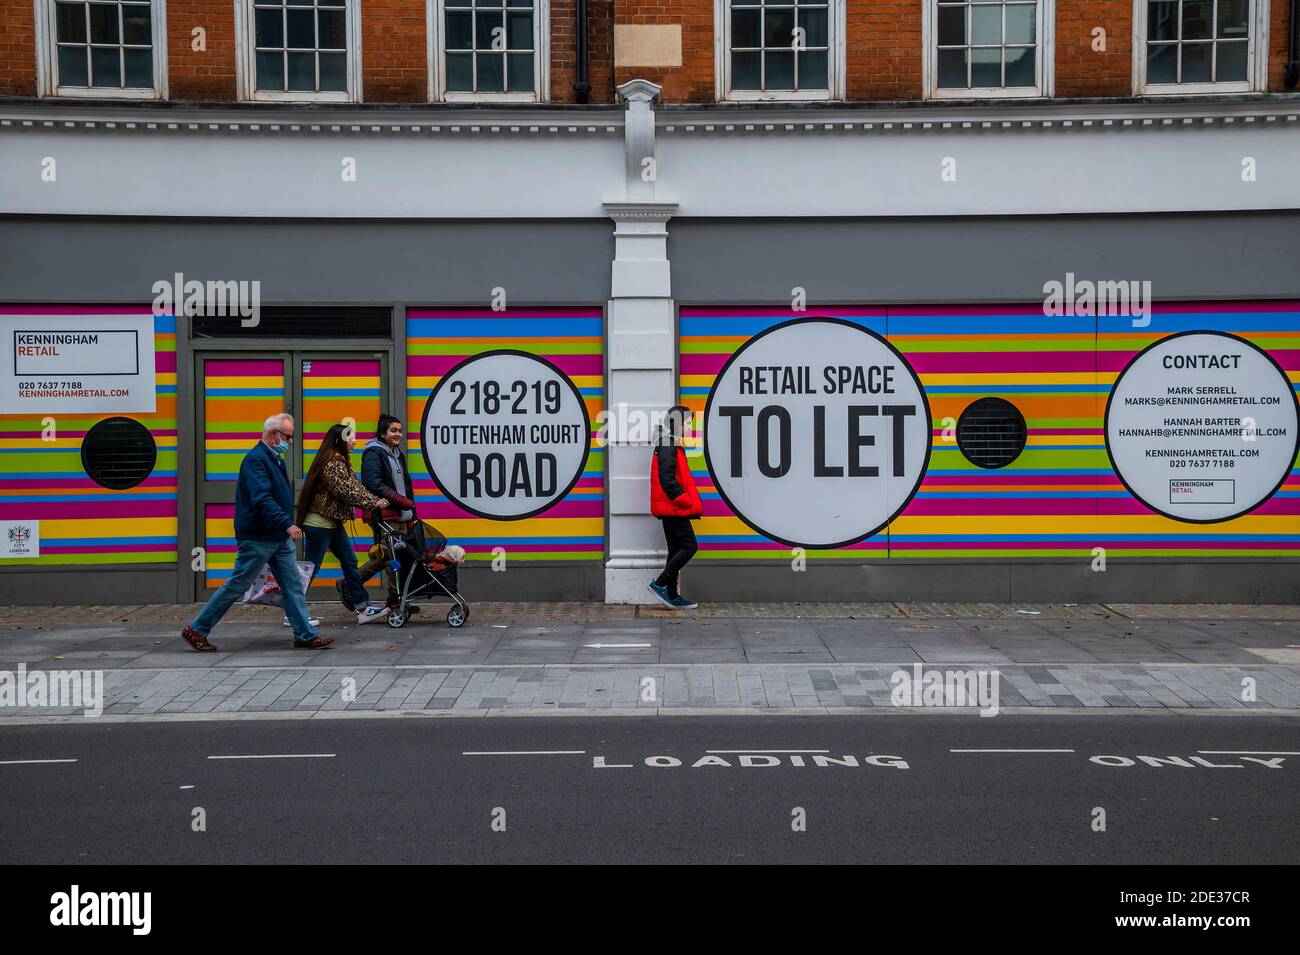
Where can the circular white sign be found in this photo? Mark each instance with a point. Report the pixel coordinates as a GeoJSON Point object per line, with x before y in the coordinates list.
{"type": "Point", "coordinates": [1202, 426]}
{"type": "Point", "coordinates": [817, 433]}
{"type": "Point", "coordinates": [505, 434]}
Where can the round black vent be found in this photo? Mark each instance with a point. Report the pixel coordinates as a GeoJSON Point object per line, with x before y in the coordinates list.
{"type": "Point", "coordinates": [118, 453]}
{"type": "Point", "coordinates": [991, 433]}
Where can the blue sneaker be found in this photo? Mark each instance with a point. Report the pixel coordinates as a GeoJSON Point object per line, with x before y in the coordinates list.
{"type": "Point", "coordinates": [681, 603]}
{"type": "Point", "coordinates": [660, 591]}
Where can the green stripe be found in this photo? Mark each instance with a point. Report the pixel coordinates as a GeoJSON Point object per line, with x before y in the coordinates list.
{"type": "Point", "coordinates": [146, 557]}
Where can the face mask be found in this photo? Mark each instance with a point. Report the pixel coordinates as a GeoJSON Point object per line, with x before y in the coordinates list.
{"type": "Point", "coordinates": [282, 447]}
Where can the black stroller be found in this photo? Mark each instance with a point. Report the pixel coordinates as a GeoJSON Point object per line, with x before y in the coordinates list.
{"type": "Point", "coordinates": [409, 557]}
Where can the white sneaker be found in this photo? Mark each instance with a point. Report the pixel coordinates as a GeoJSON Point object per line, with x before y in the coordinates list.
{"type": "Point", "coordinates": [371, 614]}
{"type": "Point", "coordinates": [315, 622]}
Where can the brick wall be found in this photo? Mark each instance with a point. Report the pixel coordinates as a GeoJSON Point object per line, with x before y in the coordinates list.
{"type": "Point", "coordinates": [882, 62]}
{"type": "Point", "coordinates": [207, 75]}
{"type": "Point", "coordinates": [17, 48]}
{"type": "Point", "coordinates": [1083, 71]}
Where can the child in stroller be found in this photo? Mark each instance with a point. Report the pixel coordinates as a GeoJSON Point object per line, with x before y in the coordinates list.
{"type": "Point", "coordinates": [423, 565]}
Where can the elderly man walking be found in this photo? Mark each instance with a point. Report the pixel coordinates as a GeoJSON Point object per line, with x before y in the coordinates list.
{"type": "Point", "coordinates": [265, 532]}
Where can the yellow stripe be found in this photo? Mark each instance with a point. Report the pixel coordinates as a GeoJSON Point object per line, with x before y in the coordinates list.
{"type": "Point", "coordinates": [117, 527]}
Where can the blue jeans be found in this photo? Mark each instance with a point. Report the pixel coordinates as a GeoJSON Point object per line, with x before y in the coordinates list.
{"type": "Point", "coordinates": [340, 545]}
{"type": "Point", "coordinates": [249, 559]}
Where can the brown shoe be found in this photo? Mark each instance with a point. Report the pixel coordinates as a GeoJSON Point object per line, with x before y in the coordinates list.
{"type": "Point", "coordinates": [316, 643]}
{"type": "Point", "coordinates": [197, 640]}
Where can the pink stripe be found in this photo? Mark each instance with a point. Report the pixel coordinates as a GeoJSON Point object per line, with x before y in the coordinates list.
{"type": "Point", "coordinates": [107, 549]}
{"type": "Point", "coordinates": [54, 483]}
{"type": "Point", "coordinates": [430, 366]}
{"type": "Point", "coordinates": [702, 364]}
{"type": "Point", "coordinates": [938, 432]}
{"type": "Point", "coordinates": [994, 478]}
{"type": "Point", "coordinates": [441, 509]}
{"type": "Point", "coordinates": [1289, 359]}
{"type": "Point", "coordinates": [461, 313]}
{"type": "Point", "coordinates": [1078, 506]}
{"type": "Point", "coordinates": [247, 368]}
{"type": "Point", "coordinates": [558, 545]}
{"type": "Point", "coordinates": [977, 544]}
{"type": "Point", "coordinates": [874, 543]}
{"type": "Point", "coordinates": [164, 361]}
{"type": "Point", "coordinates": [944, 311]}
{"type": "Point", "coordinates": [986, 362]}
{"type": "Point", "coordinates": [322, 368]}
{"type": "Point", "coordinates": [1172, 308]}
{"type": "Point", "coordinates": [36, 436]}
{"type": "Point", "coordinates": [97, 510]}
{"type": "Point", "coordinates": [760, 311]}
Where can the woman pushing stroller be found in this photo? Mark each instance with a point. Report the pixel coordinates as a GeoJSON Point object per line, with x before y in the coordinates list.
{"type": "Point", "coordinates": [330, 492]}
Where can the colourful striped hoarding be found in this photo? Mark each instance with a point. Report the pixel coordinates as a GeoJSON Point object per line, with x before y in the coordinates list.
{"type": "Point", "coordinates": [82, 522]}
{"type": "Point", "coordinates": [571, 339]}
{"type": "Point", "coordinates": [1061, 498]}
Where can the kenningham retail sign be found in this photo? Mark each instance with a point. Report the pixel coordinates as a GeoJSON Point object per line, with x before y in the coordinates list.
{"type": "Point", "coordinates": [1202, 426]}
{"type": "Point", "coordinates": [817, 433]}
{"type": "Point", "coordinates": [505, 434]}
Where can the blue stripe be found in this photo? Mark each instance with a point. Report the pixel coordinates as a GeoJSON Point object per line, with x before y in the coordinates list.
{"type": "Point", "coordinates": [1043, 389]}
{"type": "Point", "coordinates": [244, 393]}
{"type": "Point", "coordinates": [976, 326]}
{"type": "Point", "coordinates": [469, 325]}
{"type": "Point", "coordinates": [106, 541]}
{"type": "Point", "coordinates": [39, 498]}
{"type": "Point", "coordinates": [339, 392]}
{"type": "Point", "coordinates": [1090, 539]}
{"type": "Point", "coordinates": [65, 474]}
{"type": "Point", "coordinates": [968, 495]}
{"type": "Point", "coordinates": [164, 324]}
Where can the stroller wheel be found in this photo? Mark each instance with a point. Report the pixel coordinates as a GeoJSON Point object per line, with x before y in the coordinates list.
{"type": "Point", "coordinates": [457, 616]}
{"type": "Point", "coordinates": [398, 618]}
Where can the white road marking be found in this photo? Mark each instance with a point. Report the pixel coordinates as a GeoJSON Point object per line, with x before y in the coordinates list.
{"type": "Point", "coordinates": [532, 752]}
{"type": "Point", "coordinates": [606, 646]}
{"type": "Point", "coordinates": [279, 756]}
{"type": "Point", "coordinates": [755, 752]}
{"type": "Point", "coordinates": [1244, 752]}
{"type": "Point", "coordinates": [1011, 751]}
{"type": "Point", "coordinates": [30, 762]}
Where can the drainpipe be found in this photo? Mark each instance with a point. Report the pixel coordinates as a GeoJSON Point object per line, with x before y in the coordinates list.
{"type": "Point", "coordinates": [1293, 61]}
{"type": "Point", "coordinates": [581, 88]}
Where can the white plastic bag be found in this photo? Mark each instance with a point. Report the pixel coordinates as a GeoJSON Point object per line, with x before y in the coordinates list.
{"type": "Point", "coordinates": [266, 589]}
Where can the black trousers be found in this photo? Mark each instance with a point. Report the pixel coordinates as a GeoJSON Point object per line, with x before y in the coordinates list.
{"type": "Point", "coordinates": [681, 548]}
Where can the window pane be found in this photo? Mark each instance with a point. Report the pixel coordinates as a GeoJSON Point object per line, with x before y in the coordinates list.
{"type": "Point", "coordinates": [1232, 18]}
{"type": "Point", "coordinates": [301, 69]}
{"type": "Point", "coordinates": [105, 66]}
{"type": "Point", "coordinates": [72, 66]}
{"type": "Point", "coordinates": [139, 68]}
{"type": "Point", "coordinates": [986, 23]}
{"type": "Point", "coordinates": [72, 22]}
{"type": "Point", "coordinates": [952, 69]}
{"type": "Point", "coordinates": [519, 72]}
{"type": "Point", "coordinates": [460, 72]}
{"type": "Point", "coordinates": [519, 31]}
{"type": "Point", "coordinates": [745, 71]}
{"type": "Point", "coordinates": [103, 23]}
{"type": "Point", "coordinates": [519, 3]}
{"type": "Point", "coordinates": [1162, 63]}
{"type": "Point", "coordinates": [1197, 19]}
{"type": "Point", "coordinates": [952, 26]}
{"type": "Point", "coordinates": [485, 21]}
{"type": "Point", "coordinates": [460, 30]}
{"type": "Point", "coordinates": [779, 71]}
{"type": "Point", "coordinates": [270, 28]}
{"type": "Point", "coordinates": [812, 70]}
{"type": "Point", "coordinates": [300, 29]}
{"type": "Point", "coordinates": [745, 28]}
{"type": "Point", "coordinates": [270, 71]}
{"type": "Point", "coordinates": [985, 68]}
{"type": "Point", "coordinates": [331, 26]}
{"type": "Point", "coordinates": [1020, 66]}
{"type": "Point", "coordinates": [1021, 23]}
{"type": "Point", "coordinates": [298, 3]}
{"type": "Point", "coordinates": [1231, 65]}
{"type": "Point", "coordinates": [814, 25]}
{"type": "Point", "coordinates": [136, 25]}
{"type": "Point", "coordinates": [334, 72]}
{"type": "Point", "coordinates": [778, 31]}
{"type": "Point", "coordinates": [1196, 62]}
{"type": "Point", "coordinates": [1162, 21]}
{"type": "Point", "coordinates": [491, 73]}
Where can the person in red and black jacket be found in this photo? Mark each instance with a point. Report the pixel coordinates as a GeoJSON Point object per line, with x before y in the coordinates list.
{"type": "Point", "coordinates": [676, 502]}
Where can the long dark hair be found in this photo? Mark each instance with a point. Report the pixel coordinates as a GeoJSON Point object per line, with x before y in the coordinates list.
{"type": "Point", "coordinates": [333, 446]}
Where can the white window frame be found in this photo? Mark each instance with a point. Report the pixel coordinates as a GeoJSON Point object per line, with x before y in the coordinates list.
{"type": "Point", "coordinates": [1256, 57]}
{"type": "Point", "coordinates": [47, 58]}
{"type": "Point", "coordinates": [1045, 52]}
{"type": "Point", "coordinates": [246, 61]}
{"type": "Point", "coordinates": [834, 59]}
{"type": "Point", "coordinates": [435, 17]}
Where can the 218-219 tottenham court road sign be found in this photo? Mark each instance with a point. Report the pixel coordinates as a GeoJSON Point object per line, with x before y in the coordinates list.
{"type": "Point", "coordinates": [1202, 426]}
{"type": "Point", "coordinates": [505, 434]}
{"type": "Point", "coordinates": [817, 433]}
